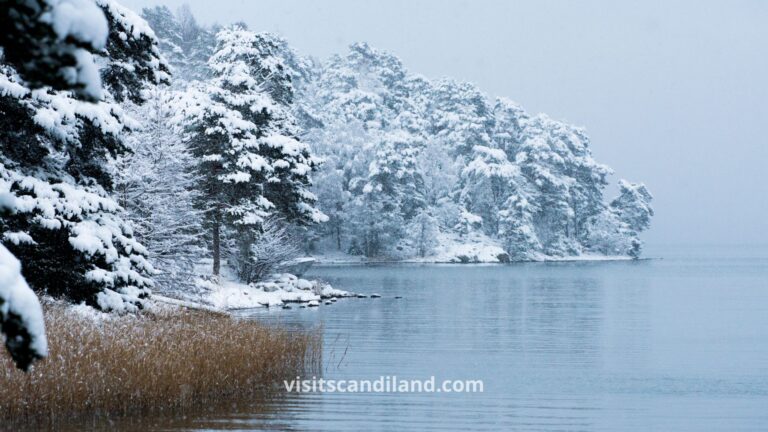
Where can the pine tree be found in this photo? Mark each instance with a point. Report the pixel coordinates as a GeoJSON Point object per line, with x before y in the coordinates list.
{"type": "Point", "coordinates": [633, 205]}
{"type": "Point", "coordinates": [616, 230]}
{"type": "Point", "coordinates": [169, 36]}
{"type": "Point", "coordinates": [390, 197]}
{"type": "Point", "coordinates": [516, 226]}
{"type": "Point", "coordinates": [134, 61]}
{"type": "Point", "coordinates": [185, 44]}
{"type": "Point", "coordinates": [423, 232]}
{"type": "Point", "coordinates": [460, 117]}
{"type": "Point", "coordinates": [21, 316]}
{"type": "Point", "coordinates": [249, 158]}
{"type": "Point", "coordinates": [485, 184]}
{"type": "Point", "coordinates": [65, 228]}
{"type": "Point", "coordinates": [633, 209]}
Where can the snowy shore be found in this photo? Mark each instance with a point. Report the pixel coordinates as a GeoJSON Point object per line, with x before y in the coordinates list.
{"type": "Point", "coordinates": [283, 289]}
{"type": "Point", "coordinates": [474, 248]}
{"type": "Point", "coordinates": [323, 260]}
{"type": "Point", "coordinates": [464, 254]}
{"type": "Point", "coordinates": [278, 290]}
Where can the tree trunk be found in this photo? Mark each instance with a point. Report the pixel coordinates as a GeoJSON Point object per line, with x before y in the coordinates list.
{"type": "Point", "coordinates": [216, 245]}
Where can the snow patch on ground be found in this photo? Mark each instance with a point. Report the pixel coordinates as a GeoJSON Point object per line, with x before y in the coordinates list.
{"type": "Point", "coordinates": [582, 257]}
{"type": "Point", "coordinates": [277, 290]}
{"type": "Point", "coordinates": [475, 248]}
{"type": "Point", "coordinates": [86, 312]}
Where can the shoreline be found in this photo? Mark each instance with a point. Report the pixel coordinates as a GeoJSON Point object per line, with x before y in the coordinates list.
{"type": "Point", "coordinates": [323, 262]}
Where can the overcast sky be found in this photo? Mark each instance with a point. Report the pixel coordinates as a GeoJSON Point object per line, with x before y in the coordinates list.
{"type": "Point", "coordinates": [672, 93]}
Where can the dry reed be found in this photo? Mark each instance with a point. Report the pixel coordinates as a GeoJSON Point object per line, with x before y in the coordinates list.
{"type": "Point", "coordinates": [151, 364]}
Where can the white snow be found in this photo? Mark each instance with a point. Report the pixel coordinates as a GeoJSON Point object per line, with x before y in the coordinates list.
{"type": "Point", "coordinates": [275, 291]}
{"type": "Point", "coordinates": [83, 21]}
{"type": "Point", "coordinates": [82, 310]}
{"type": "Point", "coordinates": [20, 300]}
{"type": "Point", "coordinates": [79, 18]}
{"type": "Point", "coordinates": [474, 248]}
{"type": "Point", "coordinates": [19, 237]}
{"type": "Point", "coordinates": [95, 227]}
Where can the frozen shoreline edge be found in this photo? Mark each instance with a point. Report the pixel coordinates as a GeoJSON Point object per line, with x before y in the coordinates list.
{"type": "Point", "coordinates": [321, 262]}
{"type": "Point", "coordinates": [235, 296]}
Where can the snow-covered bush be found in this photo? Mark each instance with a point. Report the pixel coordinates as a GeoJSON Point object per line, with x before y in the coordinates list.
{"type": "Point", "coordinates": [272, 246]}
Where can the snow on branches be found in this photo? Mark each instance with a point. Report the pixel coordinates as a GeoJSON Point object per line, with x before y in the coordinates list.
{"type": "Point", "coordinates": [79, 231]}
{"type": "Point", "coordinates": [55, 146]}
{"type": "Point", "coordinates": [51, 42]}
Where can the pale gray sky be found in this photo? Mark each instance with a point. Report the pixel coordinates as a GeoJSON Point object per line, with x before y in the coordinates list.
{"type": "Point", "coordinates": [673, 93]}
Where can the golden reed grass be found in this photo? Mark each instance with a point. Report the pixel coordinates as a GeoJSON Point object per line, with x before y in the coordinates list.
{"type": "Point", "coordinates": [154, 363]}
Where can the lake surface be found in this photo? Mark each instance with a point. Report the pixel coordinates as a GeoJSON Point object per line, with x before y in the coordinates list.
{"type": "Point", "coordinates": [673, 344]}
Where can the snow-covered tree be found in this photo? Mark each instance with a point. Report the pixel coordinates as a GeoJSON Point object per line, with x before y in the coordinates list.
{"type": "Point", "coordinates": [249, 159]}
{"type": "Point", "coordinates": [516, 225]}
{"type": "Point", "coordinates": [55, 147]}
{"type": "Point", "coordinates": [274, 246]}
{"type": "Point", "coordinates": [50, 45]}
{"type": "Point", "coordinates": [566, 183]}
{"type": "Point", "coordinates": [185, 44]}
{"type": "Point", "coordinates": [633, 205]}
{"type": "Point", "coordinates": [633, 208]}
{"type": "Point", "coordinates": [485, 183]}
{"type": "Point", "coordinates": [389, 196]}
{"type": "Point", "coordinates": [169, 36]}
{"type": "Point", "coordinates": [460, 116]}
{"type": "Point", "coordinates": [332, 200]}
{"type": "Point", "coordinates": [74, 242]}
{"type": "Point", "coordinates": [153, 184]}
{"type": "Point", "coordinates": [606, 234]}
{"type": "Point", "coordinates": [133, 59]}
{"type": "Point", "coordinates": [227, 170]}
{"type": "Point", "coordinates": [616, 230]}
{"type": "Point", "coordinates": [423, 233]}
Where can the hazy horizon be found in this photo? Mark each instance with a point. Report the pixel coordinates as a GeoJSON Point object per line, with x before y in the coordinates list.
{"type": "Point", "coordinates": [672, 95]}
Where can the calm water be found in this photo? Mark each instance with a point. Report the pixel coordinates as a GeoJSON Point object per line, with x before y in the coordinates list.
{"type": "Point", "coordinates": [676, 344]}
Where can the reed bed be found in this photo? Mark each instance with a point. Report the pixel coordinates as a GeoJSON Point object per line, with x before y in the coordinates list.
{"type": "Point", "coordinates": [168, 363]}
